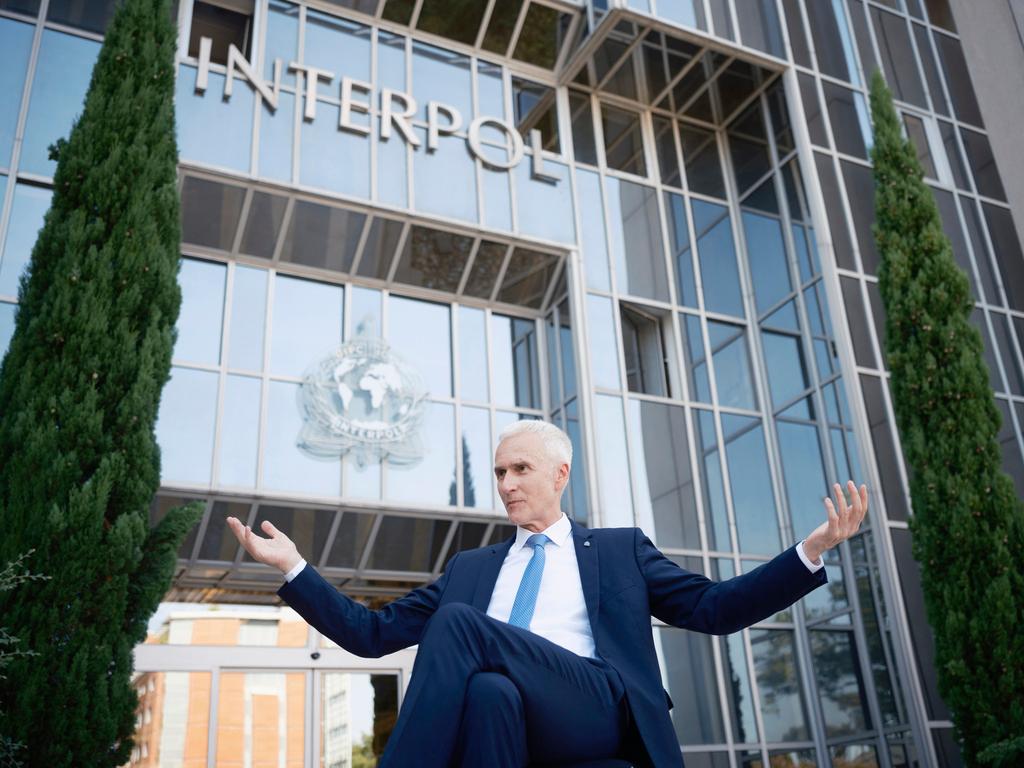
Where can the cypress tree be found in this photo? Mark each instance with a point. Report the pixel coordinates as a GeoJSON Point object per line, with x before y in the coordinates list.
{"type": "Point", "coordinates": [79, 392]}
{"type": "Point", "coordinates": [967, 523]}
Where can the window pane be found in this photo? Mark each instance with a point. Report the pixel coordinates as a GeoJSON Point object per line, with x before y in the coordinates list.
{"type": "Point", "coordinates": [473, 354]}
{"type": "Point", "coordinates": [6, 326]}
{"type": "Point", "coordinates": [782, 703]}
{"type": "Point", "coordinates": [337, 45]}
{"type": "Point", "coordinates": [213, 131]}
{"type": "Point", "coordinates": [983, 164]}
{"type": "Point", "coordinates": [534, 107]}
{"type": "Point", "coordinates": [240, 433]}
{"type": "Point", "coordinates": [286, 466]}
{"type": "Point", "coordinates": [331, 159]}
{"type": "Point", "coordinates": [690, 671]}
{"type": "Point", "coordinates": [696, 358]}
{"type": "Point", "coordinates": [484, 272]}
{"type": "Point", "coordinates": [306, 325]}
{"type": "Point", "coordinates": [644, 351]}
{"type": "Point", "coordinates": [834, 209]}
{"type": "Point", "coordinates": [210, 212]}
{"type": "Point", "coordinates": [541, 36]}
{"type": "Point", "coordinates": [263, 224]}
{"type": "Point", "coordinates": [806, 483]}
{"type": "Point", "coordinates": [594, 240]}
{"type": "Point", "coordinates": [58, 88]}
{"type": "Point", "coordinates": [623, 141]}
{"type": "Point", "coordinates": [717, 253]}
{"type": "Point", "coordinates": [261, 713]}
{"type": "Point", "coordinates": [757, 523]}
{"type": "Point", "coordinates": [514, 357]}
{"type": "Point", "coordinates": [840, 685]}
{"type": "Point", "coordinates": [849, 119]}
{"type": "Point", "coordinates": [420, 332]}
{"type": "Point", "coordinates": [767, 256]}
{"type": "Point", "coordinates": [248, 318]}
{"type": "Point", "coordinates": [584, 145]}
{"type": "Point", "coordinates": [349, 541]}
{"type": "Point", "coordinates": [831, 39]}
{"type": "Point", "coordinates": [359, 711]}
{"type": "Point", "coordinates": [477, 480]}
{"type": "Point", "coordinates": [15, 44]}
{"type": "Point", "coordinates": [612, 461]}
{"type": "Point", "coordinates": [432, 258]}
{"type": "Point", "coordinates": [323, 237]}
{"type": "Point", "coordinates": [528, 277]}
{"type": "Point", "coordinates": [408, 543]}
{"type": "Point", "coordinates": [919, 139]}
{"type": "Point", "coordinates": [202, 311]}
{"type": "Point", "coordinates": [961, 91]}
{"type": "Point", "coordinates": [679, 241]}
{"type": "Point", "coordinates": [1006, 247]}
{"type": "Point", "coordinates": [441, 75]}
{"type": "Point", "coordinates": [430, 481]}
{"type": "Point", "coordinates": [931, 70]}
{"type": "Point", "coordinates": [732, 365]}
{"type": "Point", "coordinates": [738, 690]}
{"type": "Point", "coordinates": [27, 213]}
{"type": "Point", "coordinates": [184, 428]}
{"type": "Point", "coordinates": [440, 18]}
{"type": "Point", "coordinates": [604, 362]}
{"type": "Point", "coordinates": [93, 16]}
{"type": "Point", "coordinates": [636, 239]}
{"type": "Point", "coordinates": [898, 58]}
{"type": "Point", "coordinates": [711, 480]}
{"type": "Point", "coordinates": [445, 180]}
{"type": "Point", "coordinates": [666, 500]}
{"type": "Point", "coordinates": [860, 191]}
{"type": "Point", "coordinates": [545, 208]}
{"type": "Point", "coordinates": [703, 166]}
{"type": "Point", "coordinates": [759, 27]}
{"type": "Point", "coordinates": [379, 250]}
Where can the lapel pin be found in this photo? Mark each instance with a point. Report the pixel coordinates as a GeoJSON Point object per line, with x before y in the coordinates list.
{"type": "Point", "coordinates": [586, 543]}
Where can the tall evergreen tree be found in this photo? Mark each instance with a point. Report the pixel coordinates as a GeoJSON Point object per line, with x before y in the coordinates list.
{"type": "Point", "coordinates": [968, 526]}
{"type": "Point", "coordinates": [79, 391]}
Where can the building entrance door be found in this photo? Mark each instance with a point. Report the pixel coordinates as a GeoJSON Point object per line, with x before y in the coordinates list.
{"type": "Point", "coordinates": [259, 705]}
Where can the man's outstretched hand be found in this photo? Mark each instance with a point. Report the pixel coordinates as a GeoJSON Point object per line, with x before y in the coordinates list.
{"type": "Point", "coordinates": [841, 523]}
{"type": "Point", "coordinates": [278, 551]}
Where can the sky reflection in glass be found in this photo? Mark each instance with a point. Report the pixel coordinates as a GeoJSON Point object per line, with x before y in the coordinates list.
{"type": "Point", "coordinates": [239, 431]}
{"type": "Point", "coordinates": [15, 44]}
{"type": "Point", "coordinates": [184, 427]}
{"type": "Point", "coordinates": [27, 213]}
{"type": "Point", "coordinates": [202, 311]}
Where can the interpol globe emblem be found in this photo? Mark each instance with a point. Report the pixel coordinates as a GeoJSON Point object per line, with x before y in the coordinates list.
{"type": "Point", "coordinates": [363, 400]}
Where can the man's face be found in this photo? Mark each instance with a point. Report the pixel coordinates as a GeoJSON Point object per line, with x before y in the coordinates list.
{"type": "Point", "coordinates": [530, 483]}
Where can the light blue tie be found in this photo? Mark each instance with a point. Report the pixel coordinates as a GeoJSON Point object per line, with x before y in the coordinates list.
{"type": "Point", "coordinates": [529, 587]}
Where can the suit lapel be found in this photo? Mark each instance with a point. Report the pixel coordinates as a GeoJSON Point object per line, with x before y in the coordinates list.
{"type": "Point", "coordinates": [488, 575]}
{"type": "Point", "coordinates": [587, 560]}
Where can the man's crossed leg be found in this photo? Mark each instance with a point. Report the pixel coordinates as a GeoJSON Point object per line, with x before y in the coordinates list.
{"type": "Point", "coordinates": [484, 693]}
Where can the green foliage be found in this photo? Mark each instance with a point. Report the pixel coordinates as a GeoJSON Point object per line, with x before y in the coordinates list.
{"type": "Point", "coordinates": [967, 524]}
{"type": "Point", "coordinates": [79, 392]}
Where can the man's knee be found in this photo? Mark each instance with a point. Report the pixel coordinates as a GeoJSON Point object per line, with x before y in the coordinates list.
{"type": "Point", "coordinates": [493, 692]}
{"type": "Point", "coordinates": [453, 616]}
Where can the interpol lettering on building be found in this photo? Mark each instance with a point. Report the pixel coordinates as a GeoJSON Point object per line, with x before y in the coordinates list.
{"type": "Point", "coordinates": [396, 110]}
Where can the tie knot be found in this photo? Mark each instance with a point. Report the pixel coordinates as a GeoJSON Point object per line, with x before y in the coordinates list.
{"type": "Point", "coordinates": [537, 540]}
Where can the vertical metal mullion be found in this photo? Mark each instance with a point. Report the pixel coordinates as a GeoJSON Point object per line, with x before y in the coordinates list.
{"type": "Point", "coordinates": [211, 736]}
{"type": "Point", "coordinates": [456, 379]}
{"type": "Point", "coordinates": [222, 373]}
{"type": "Point", "coordinates": [265, 381]}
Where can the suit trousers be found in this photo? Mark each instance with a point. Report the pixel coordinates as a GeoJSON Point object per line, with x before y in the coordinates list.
{"type": "Point", "coordinates": [484, 693]}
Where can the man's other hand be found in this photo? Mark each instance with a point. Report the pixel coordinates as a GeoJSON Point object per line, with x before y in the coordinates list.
{"type": "Point", "coordinates": [843, 520]}
{"type": "Point", "coordinates": [278, 551]}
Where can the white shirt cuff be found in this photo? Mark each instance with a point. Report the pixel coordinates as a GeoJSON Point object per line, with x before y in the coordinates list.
{"type": "Point", "coordinates": [302, 564]}
{"type": "Point", "coordinates": [812, 567]}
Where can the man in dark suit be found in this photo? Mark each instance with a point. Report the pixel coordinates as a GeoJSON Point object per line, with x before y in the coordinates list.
{"type": "Point", "coordinates": [540, 649]}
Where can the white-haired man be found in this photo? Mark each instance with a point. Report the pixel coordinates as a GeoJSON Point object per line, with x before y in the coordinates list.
{"type": "Point", "coordinates": [539, 650]}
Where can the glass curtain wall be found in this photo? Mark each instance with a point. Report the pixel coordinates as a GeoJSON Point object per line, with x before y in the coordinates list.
{"type": "Point", "coordinates": [836, 46]}
{"type": "Point", "coordinates": [725, 399]}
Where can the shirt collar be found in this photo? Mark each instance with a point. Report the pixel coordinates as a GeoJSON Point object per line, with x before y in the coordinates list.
{"type": "Point", "coordinates": [558, 532]}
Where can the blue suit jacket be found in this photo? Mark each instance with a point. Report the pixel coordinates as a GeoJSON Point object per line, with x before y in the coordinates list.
{"type": "Point", "coordinates": [626, 580]}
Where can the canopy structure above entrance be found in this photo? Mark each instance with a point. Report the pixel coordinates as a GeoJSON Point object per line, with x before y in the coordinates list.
{"type": "Point", "coordinates": [369, 554]}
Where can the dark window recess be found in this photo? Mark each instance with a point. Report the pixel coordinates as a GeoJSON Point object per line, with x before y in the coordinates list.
{"type": "Point", "coordinates": [1008, 255]}
{"type": "Point", "coordinates": [983, 164]}
{"type": "Point", "coordinates": [541, 37]}
{"type": "Point", "coordinates": [940, 14]}
{"type": "Point", "coordinates": [898, 57]}
{"type": "Point", "coordinates": [981, 253]}
{"type": "Point", "coordinates": [623, 141]}
{"type": "Point", "coordinates": [919, 138]}
{"type": "Point", "coordinates": [951, 226]}
{"type": "Point", "coordinates": [644, 345]}
{"type": "Point", "coordinates": [457, 21]}
{"type": "Point", "coordinates": [759, 26]}
{"type": "Point", "coordinates": [842, 105]}
{"type": "Point", "coordinates": [828, 42]}
{"type": "Point", "coordinates": [834, 209]}
{"type": "Point", "coordinates": [534, 106]}
{"type": "Point", "coordinates": [860, 191]}
{"type": "Point", "coordinates": [812, 110]}
{"type": "Point", "coordinates": [797, 38]}
{"type": "Point", "coordinates": [931, 70]}
{"type": "Point", "coordinates": [226, 23]}
{"type": "Point", "coordinates": [210, 212]}
{"type": "Point", "coordinates": [868, 62]}
{"type": "Point", "coordinates": [978, 321]}
{"type": "Point", "coordinates": [886, 455]}
{"type": "Point", "coordinates": [920, 631]}
{"type": "Point", "coordinates": [961, 92]}
{"type": "Point", "coordinates": [434, 259]}
{"type": "Point", "coordinates": [93, 15]}
{"type": "Point", "coordinates": [28, 7]}
{"type": "Point", "coordinates": [858, 322]}
{"type": "Point", "coordinates": [582, 118]}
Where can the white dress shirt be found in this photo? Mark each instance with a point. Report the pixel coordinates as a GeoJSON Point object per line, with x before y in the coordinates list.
{"type": "Point", "coordinates": [561, 612]}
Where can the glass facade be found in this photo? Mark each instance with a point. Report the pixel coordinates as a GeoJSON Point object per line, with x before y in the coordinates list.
{"type": "Point", "coordinates": [648, 222]}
